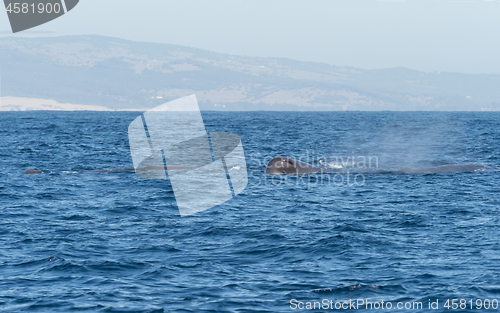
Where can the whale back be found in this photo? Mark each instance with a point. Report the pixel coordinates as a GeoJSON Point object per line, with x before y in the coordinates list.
{"type": "Point", "coordinates": [288, 166]}
{"type": "Point", "coordinates": [33, 171]}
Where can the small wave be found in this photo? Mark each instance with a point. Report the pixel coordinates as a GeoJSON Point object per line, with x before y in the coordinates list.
{"type": "Point", "coordinates": [348, 288]}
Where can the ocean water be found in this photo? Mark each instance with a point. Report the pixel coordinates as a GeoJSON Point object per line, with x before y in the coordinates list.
{"type": "Point", "coordinates": [114, 242]}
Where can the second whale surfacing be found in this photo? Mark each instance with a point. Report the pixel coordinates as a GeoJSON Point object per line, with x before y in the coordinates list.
{"type": "Point", "coordinates": [289, 166]}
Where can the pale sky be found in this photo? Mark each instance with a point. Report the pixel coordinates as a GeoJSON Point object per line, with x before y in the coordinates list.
{"type": "Point", "coordinates": [427, 35]}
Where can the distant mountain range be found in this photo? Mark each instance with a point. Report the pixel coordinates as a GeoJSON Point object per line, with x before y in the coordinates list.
{"type": "Point", "coordinates": [121, 74]}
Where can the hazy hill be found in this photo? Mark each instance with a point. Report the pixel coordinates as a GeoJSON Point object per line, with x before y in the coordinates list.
{"type": "Point", "coordinates": [121, 74]}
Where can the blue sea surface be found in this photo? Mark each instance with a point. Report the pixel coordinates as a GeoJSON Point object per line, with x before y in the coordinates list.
{"type": "Point", "coordinates": [115, 242]}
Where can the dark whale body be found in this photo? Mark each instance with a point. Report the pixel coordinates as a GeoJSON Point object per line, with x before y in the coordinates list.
{"type": "Point", "coordinates": [289, 166]}
{"type": "Point", "coordinates": [33, 171]}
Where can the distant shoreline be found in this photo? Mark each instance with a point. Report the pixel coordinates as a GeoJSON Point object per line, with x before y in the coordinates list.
{"type": "Point", "coordinates": [19, 104]}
